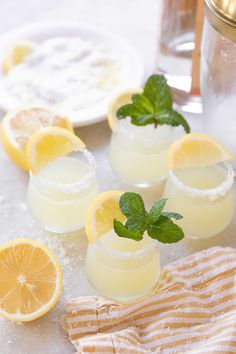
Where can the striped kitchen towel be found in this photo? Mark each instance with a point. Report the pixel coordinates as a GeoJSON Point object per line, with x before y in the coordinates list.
{"type": "Point", "coordinates": [193, 310]}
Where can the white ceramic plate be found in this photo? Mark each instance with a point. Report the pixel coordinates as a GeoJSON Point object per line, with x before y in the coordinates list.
{"type": "Point", "coordinates": [132, 65]}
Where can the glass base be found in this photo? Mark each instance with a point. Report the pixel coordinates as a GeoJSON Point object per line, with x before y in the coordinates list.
{"type": "Point", "coordinates": [186, 102]}
{"type": "Point", "coordinates": [56, 230]}
{"type": "Point", "coordinates": [127, 298]}
{"type": "Point", "coordinates": [143, 185]}
{"type": "Point", "coordinates": [197, 238]}
{"type": "Point", "coordinates": [181, 92]}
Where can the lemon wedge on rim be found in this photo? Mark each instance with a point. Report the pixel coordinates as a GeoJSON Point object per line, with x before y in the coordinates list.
{"type": "Point", "coordinates": [101, 214]}
{"type": "Point", "coordinates": [116, 102]}
{"type": "Point", "coordinates": [18, 125]}
{"type": "Point", "coordinates": [197, 150]}
{"type": "Point", "coordinates": [49, 143]}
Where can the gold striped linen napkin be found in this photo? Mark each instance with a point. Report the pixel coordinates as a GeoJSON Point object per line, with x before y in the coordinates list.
{"type": "Point", "coordinates": [193, 310]}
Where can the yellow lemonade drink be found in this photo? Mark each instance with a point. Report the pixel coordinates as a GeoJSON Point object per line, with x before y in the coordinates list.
{"type": "Point", "coordinates": [122, 268]}
{"type": "Point", "coordinates": [139, 154]}
{"type": "Point", "coordinates": [123, 260]}
{"type": "Point", "coordinates": [143, 125]}
{"type": "Point", "coordinates": [204, 196]}
{"type": "Point", "coordinates": [59, 194]}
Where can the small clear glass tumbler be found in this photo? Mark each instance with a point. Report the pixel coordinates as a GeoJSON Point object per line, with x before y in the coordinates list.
{"type": "Point", "coordinates": [139, 154]}
{"type": "Point", "coordinates": [204, 196]}
{"type": "Point", "coordinates": [59, 194]}
{"type": "Point", "coordinates": [121, 268]}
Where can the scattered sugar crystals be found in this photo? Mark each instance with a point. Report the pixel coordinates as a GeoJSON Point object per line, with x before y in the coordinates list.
{"type": "Point", "coordinates": [66, 73]}
{"type": "Point", "coordinates": [70, 249]}
{"type": "Point", "coordinates": [23, 207]}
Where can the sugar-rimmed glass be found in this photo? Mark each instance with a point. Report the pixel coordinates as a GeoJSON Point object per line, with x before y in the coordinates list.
{"type": "Point", "coordinates": [59, 194]}
{"type": "Point", "coordinates": [204, 197]}
{"type": "Point", "coordinates": [123, 269]}
{"type": "Point", "coordinates": [139, 154]}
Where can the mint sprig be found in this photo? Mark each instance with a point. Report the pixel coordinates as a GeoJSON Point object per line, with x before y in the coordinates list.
{"type": "Point", "coordinates": [153, 106]}
{"type": "Point", "coordinates": [157, 223]}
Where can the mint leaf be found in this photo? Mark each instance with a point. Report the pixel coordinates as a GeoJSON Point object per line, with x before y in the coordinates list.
{"type": "Point", "coordinates": [153, 106]}
{"type": "Point", "coordinates": [156, 210]}
{"type": "Point", "coordinates": [142, 104]}
{"type": "Point", "coordinates": [136, 222]}
{"type": "Point", "coordinates": [157, 223]}
{"type": "Point", "coordinates": [172, 215]}
{"type": "Point", "coordinates": [122, 231]}
{"type": "Point", "coordinates": [128, 110]}
{"type": "Point", "coordinates": [143, 120]}
{"type": "Point", "coordinates": [173, 118]}
{"type": "Point", "coordinates": [132, 203]}
{"type": "Point", "coordinates": [165, 231]}
{"type": "Point", "coordinates": [157, 91]}
{"type": "Point", "coordinates": [140, 110]}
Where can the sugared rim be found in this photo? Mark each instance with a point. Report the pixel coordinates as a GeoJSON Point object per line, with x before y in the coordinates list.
{"type": "Point", "coordinates": [126, 255]}
{"type": "Point", "coordinates": [210, 193]}
{"type": "Point", "coordinates": [166, 130]}
{"type": "Point", "coordinates": [75, 186]}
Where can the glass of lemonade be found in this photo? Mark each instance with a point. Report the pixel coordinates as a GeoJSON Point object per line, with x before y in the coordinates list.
{"type": "Point", "coordinates": [139, 154]}
{"type": "Point", "coordinates": [121, 268]}
{"type": "Point", "coordinates": [59, 194]}
{"type": "Point", "coordinates": [204, 196]}
{"type": "Point", "coordinates": [143, 125]}
{"type": "Point", "coordinates": [123, 258]}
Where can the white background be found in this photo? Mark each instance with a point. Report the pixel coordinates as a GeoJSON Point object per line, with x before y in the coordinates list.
{"type": "Point", "coordinates": [137, 21]}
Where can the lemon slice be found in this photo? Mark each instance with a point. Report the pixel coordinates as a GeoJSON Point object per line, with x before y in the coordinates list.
{"type": "Point", "coordinates": [47, 144]}
{"type": "Point", "coordinates": [101, 213]}
{"type": "Point", "coordinates": [118, 101]}
{"type": "Point", "coordinates": [17, 127]}
{"type": "Point", "coordinates": [197, 150]}
{"type": "Point", "coordinates": [30, 280]}
{"type": "Point", "coordinates": [16, 54]}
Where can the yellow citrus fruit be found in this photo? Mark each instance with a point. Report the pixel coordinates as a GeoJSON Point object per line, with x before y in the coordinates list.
{"type": "Point", "coordinates": [17, 127]}
{"type": "Point", "coordinates": [101, 213]}
{"type": "Point", "coordinates": [196, 150]}
{"type": "Point", "coordinates": [49, 143]}
{"type": "Point", "coordinates": [30, 280]}
{"type": "Point", "coordinates": [118, 101]}
{"type": "Point", "coordinates": [16, 54]}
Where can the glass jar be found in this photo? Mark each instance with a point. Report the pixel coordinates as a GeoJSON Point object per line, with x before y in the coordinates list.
{"type": "Point", "coordinates": [218, 71]}
{"type": "Point", "coordinates": [177, 43]}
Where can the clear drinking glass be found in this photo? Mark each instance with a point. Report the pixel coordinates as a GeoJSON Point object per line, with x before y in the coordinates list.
{"type": "Point", "coordinates": [204, 197]}
{"type": "Point", "coordinates": [121, 268]}
{"type": "Point", "coordinates": [218, 75]}
{"type": "Point", "coordinates": [139, 154]}
{"type": "Point", "coordinates": [59, 194]}
{"type": "Point", "coordinates": [177, 42]}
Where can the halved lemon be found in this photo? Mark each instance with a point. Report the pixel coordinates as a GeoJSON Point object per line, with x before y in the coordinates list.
{"type": "Point", "coordinates": [197, 150]}
{"type": "Point", "coordinates": [118, 101]}
{"type": "Point", "coordinates": [30, 280]}
{"type": "Point", "coordinates": [49, 143]}
{"type": "Point", "coordinates": [16, 54]}
{"type": "Point", "coordinates": [17, 127]}
{"type": "Point", "coordinates": [101, 213]}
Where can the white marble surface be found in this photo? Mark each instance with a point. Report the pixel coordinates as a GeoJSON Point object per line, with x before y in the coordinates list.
{"type": "Point", "coordinates": [136, 20]}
